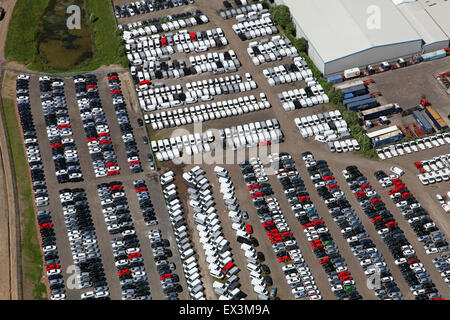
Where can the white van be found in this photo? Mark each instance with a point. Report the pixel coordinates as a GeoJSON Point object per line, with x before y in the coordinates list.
{"type": "Point", "coordinates": [187, 254]}
{"type": "Point", "coordinates": [397, 170]}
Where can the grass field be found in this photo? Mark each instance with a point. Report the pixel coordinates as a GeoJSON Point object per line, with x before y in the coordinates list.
{"type": "Point", "coordinates": [23, 34]}
{"type": "Point", "coordinates": [33, 288]}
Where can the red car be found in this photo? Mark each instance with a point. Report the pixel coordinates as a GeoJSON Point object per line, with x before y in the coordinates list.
{"type": "Point", "coordinates": [366, 186]}
{"type": "Point", "coordinates": [360, 194]}
{"type": "Point", "coordinates": [111, 164]}
{"type": "Point", "coordinates": [333, 186]}
{"type": "Point", "coordinates": [391, 224]}
{"type": "Point", "coordinates": [123, 272]}
{"type": "Point", "coordinates": [134, 255]}
{"type": "Point", "coordinates": [253, 187]}
{"type": "Point", "coordinates": [413, 260]}
{"type": "Point", "coordinates": [105, 142]}
{"type": "Point", "coordinates": [133, 162]}
{"type": "Point", "coordinates": [91, 139]}
{"type": "Point", "coordinates": [343, 273]}
{"type": "Point", "coordinates": [326, 178]}
{"type": "Point", "coordinates": [324, 260]}
{"type": "Point", "coordinates": [193, 37]}
{"type": "Point", "coordinates": [256, 195]}
{"type": "Point", "coordinates": [317, 222]}
{"type": "Point", "coordinates": [249, 229]}
{"type": "Point", "coordinates": [163, 42]}
{"type": "Point", "coordinates": [227, 267]}
{"type": "Point", "coordinates": [303, 198]}
{"type": "Point", "coordinates": [53, 267]}
{"type": "Point", "coordinates": [115, 187]}
{"type": "Point", "coordinates": [377, 218]}
{"type": "Point", "coordinates": [113, 173]}
{"type": "Point", "coordinates": [284, 258]}
{"type": "Point", "coordinates": [46, 225]}
{"type": "Point", "coordinates": [165, 276]}
{"type": "Point", "coordinates": [373, 201]}
{"type": "Point", "coordinates": [140, 189]}
{"type": "Point", "coordinates": [268, 223]}
{"type": "Point", "coordinates": [144, 82]}
{"type": "Point", "coordinates": [103, 134]}
{"type": "Point", "coordinates": [63, 126]}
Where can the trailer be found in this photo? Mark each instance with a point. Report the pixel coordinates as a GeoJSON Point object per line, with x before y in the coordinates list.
{"type": "Point", "coordinates": [335, 79]}
{"type": "Point", "coordinates": [423, 123]}
{"type": "Point", "coordinates": [362, 104]}
{"type": "Point", "coordinates": [378, 112]}
{"type": "Point", "coordinates": [436, 118]}
{"type": "Point", "coordinates": [356, 98]}
{"type": "Point", "coordinates": [350, 84]}
{"type": "Point", "coordinates": [356, 90]}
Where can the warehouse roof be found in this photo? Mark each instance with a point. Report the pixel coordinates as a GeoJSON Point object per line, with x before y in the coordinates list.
{"type": "Point", "coordinates": [439, 10]}
{"type": "Point", "coordinates": [422, 21]}
{"type": "Point", "coordinates": [339, 28]}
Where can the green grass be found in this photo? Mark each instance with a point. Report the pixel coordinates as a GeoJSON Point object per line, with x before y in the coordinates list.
{"type": "Point", "coordinates": [22, 31]}
{"type": "Point", "coordinates": [31, 253]}
{"type": "Point", "coordinates": [22, 39]}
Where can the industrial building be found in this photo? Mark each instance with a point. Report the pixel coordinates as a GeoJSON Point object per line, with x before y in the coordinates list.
{"type": "Point", "coordinates": [344, 34]}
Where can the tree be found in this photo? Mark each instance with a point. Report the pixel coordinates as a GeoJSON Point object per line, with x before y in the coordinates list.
{"type": "Point", "coordinates": [281, 15]}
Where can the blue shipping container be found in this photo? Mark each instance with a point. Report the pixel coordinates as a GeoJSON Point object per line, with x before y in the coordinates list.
{"type": "Point", "coordinates": [362, 104]}
{"type": "Point", "coordinates": [356, 90]}
{"type": "Point", "coordinates": [387, 140]}
{"type": "Point", "coordinates": [348, 96]}
{"type": "Point", "coordinates": [423, 123]}
{"type": "Point", "coordinates": [354, 99]}
{"type": "Point", "coordinates": [336, 79]}
{"type": "Point", "coordinates": [377, 114]}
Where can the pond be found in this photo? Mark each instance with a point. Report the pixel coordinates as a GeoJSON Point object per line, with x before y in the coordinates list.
{"type": "Point", "coordinates": [60, 48]}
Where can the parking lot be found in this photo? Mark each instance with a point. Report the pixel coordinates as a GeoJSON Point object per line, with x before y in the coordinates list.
{"type": "Point", "coordinates": [119, 189]}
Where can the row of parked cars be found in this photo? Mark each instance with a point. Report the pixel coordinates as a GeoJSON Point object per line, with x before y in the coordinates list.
{"type": "Point", "coordinates": [271, 49]}
{"type": "Point", "coordinates": [145, 203]}
{"type": "Point", "coordinates": [442, 264]}
{"type": "Point", "coordinates": [128, 258]}
{"type": "Point", "coordinates": [175, 210]}
{"type": "Point", "coordinates": [218, 253]}
{"type": "Point", "coordinates": [420, 144]}
{"type": "Point", "coordinates": [313, 225]}
{"type": "Point", "coordinates": [104, 159]}
{"type": "Point", "coordinates": [254, 25]}
{"type": "Point", "coordinates": [282, 74]}
{"type": "Point", "coordinates": [31, 142]}
{"type": "Point", "coordinates": [413, 271]}
{"type": "Point", "coordinates": [176, 147]}
{"type": "Point", "coordinates": [126, 129]}
{"type": "Point", "coordinates": [371, 260]}
{"type": "Point", "coordinates": [205, 90]}
{"type": "Point", "coordinates": [418, 218]}
{"type": "Point", "coordinates": [83, 243]}
{"type": "Point", "coordinates": [59, 131]}
{"type": "Point", "coordinates": [168, 279]}
{"type": "Point", "coordinates": [261, 133]}
{"type": "Point", "coordinates": [51, 256]}
{"type": "Point", "coordinates": [142, 7]}
{"type": "Point", "coordinates": [237, 217]}
{"type": "Point", "coordinates": [163, 24]}
{"type": "Point", "coordinates": [244, 8]}
{"type": "Point", "coordinates": [283, 242]}
{"type": "Point", "coordinates": [434, 170]}
{"type": "Point", "coordinates": [210, 111]}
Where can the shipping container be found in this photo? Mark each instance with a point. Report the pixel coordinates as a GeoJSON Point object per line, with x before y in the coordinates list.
{"type": "Point", "coordinates": [349, 84]}
{"type": "Point", "coordinates": [387, 140]}
{"type": "Point", "coordinates": [434, 55]}
{"type": "Point", "coordinates": [362, 105]}
{"type": "Point", "coordinates": [356, 90]}
{"type": "Point", "coordinates": [356, 98]}
{"type": "Point", "coordinates": [423, 123]}
{"type": "Point", "coordinates": [436, 118]}
{"type": "Point", "coordinates": [377, 112]}
{"type": "Point", "coordinates": [335, 79]}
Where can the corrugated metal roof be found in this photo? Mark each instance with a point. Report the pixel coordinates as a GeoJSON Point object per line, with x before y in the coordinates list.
{"type": "Point", "coordinates": [439, 10]}
{"type": "Point", "coordinates": [378, 133]}
{"type": "Point", "coordinates": [338, 28]}
{"type": "Point", "coordinates": [422, 22]}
